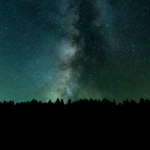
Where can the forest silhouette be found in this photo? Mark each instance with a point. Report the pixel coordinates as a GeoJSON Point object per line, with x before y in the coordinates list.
{"type": "Point", "coordinates": [85, 104]}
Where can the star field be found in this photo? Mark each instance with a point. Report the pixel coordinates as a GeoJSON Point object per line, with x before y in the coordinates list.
{"type": "Point", "coordinates": [74, 49]}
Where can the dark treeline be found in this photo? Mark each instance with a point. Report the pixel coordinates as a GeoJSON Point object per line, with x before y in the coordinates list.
{"type": "Point", "coordinates": [83, 108]}
{"type": "Point", "coordinates": [81, 103]}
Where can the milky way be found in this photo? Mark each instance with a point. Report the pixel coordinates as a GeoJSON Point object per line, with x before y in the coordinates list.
{"type": "Point", "coordinates": [74, 49]}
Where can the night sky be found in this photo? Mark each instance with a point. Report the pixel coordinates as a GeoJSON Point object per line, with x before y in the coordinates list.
{"type": "Point", "coordinates": [74, 49]}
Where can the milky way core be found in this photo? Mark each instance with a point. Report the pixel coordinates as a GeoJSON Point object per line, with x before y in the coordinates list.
{"type": "Point", "coordinates": [74, 49]}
